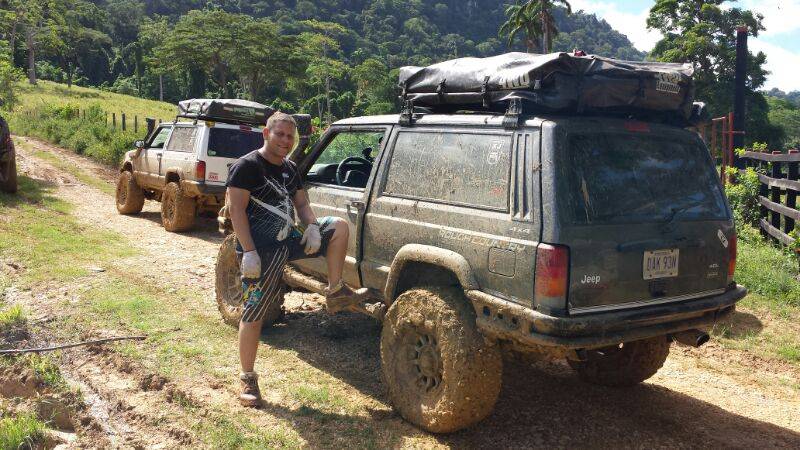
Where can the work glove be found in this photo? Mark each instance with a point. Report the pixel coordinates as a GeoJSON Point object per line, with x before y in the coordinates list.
{"type": "Point", "coordinates": [251, 264]}
{"type": "Point", "coordinates": [311, 239]}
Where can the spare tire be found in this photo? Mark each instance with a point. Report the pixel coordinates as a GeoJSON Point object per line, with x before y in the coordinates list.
{"type": "Point", "coordinates": [626, 364]}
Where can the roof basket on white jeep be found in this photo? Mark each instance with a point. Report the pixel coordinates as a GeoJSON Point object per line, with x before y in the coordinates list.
{"type": "Point", "coordinates": [238, 112]}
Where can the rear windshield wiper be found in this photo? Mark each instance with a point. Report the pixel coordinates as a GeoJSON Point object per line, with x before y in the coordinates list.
{"type": "Point", "coordinates": [674, 211]}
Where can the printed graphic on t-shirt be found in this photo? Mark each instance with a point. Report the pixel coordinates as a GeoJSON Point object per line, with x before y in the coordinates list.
{"type": "Point", "coordinates": [271, 210]}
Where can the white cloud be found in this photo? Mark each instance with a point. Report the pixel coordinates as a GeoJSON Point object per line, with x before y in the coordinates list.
{"type": "Point", "coordinates": [631, 24]}
{"type": "Point", "coordinates": [780, 16]}
{"type": "Point", "coordinates": [781, 62]}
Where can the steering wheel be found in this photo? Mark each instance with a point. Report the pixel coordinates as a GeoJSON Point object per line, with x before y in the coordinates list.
{"type": "Point", "coordinates": [350, 161]}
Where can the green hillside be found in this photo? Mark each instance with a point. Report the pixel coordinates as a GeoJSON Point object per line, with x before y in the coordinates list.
{"type": "Point", "coordinates": [294, 54]}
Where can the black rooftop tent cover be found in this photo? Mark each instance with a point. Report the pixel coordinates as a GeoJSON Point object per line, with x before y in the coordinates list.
{"type": "Point", "coordinates": [554, 83]}
{"type": "Point", "coordinates": [243, 112]}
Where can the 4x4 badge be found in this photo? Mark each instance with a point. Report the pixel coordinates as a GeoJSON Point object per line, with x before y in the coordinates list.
{"type": "Point", "coordinates": [722, 238]}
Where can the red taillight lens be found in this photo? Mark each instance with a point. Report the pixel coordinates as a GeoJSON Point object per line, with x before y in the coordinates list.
{"type": "Point", "coordinates": [552, 271]}
{"type": "Point", "coordinates": [200, 170]}
{"type": "Point", "coordinates": [731, 257]}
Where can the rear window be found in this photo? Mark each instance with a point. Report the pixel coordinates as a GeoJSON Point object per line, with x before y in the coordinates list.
{"type": "Point", "coordinates": [623, 178]}
{"type": "Point", "coordinates": [233, 143]}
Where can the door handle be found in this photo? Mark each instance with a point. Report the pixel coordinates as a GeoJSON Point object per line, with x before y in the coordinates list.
{"type": "Point", "coordinates": [356, 205]}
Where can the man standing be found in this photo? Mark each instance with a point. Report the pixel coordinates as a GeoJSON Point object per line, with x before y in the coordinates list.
{"type": "Point", "coordinates": [8, 161]}
{"type": "Point", "coordinates": [264, 191]}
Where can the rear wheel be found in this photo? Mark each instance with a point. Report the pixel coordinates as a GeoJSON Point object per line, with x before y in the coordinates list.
{"type": "Point", "coordinates": [177, 208]}
{"type": "Point", "coordinates": [130, 197]}
{"type": "Point", "coordinates": [229, 287]}
{"type": "Point", "coordinates": [625, 364]}
{"type": "Point", "coordinates": [441, 373]}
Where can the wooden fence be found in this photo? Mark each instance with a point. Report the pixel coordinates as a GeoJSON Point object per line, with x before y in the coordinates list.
{"type": "Point", "coordinates": [778, 190]}
{"type": "Point", "coordinates": [123, 121]}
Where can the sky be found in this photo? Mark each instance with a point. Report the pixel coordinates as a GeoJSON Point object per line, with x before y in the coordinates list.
{"type": "Point", "coordinates": [780, 42]}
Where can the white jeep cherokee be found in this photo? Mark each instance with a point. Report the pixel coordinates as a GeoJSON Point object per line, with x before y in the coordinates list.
{"type": "Point", "coordinates": [184, 164]}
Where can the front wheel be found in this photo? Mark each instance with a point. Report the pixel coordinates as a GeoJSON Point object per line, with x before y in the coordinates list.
{"type": "Point", "coordinates": [129, 196]}
{"type": "Point", "coordinates": [441, 373]}
{"type": "Point", "coordinates": [229, 287]}
{"type": "Point", "coordinates": [177, 209]}
{"type": "Point", "coordinates": [625, 364]}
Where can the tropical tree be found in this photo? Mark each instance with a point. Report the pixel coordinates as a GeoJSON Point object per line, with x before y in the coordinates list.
{"type": "Point", "coordinates": [206, 40]}
{"type": "Point", "coordinates": [535, 18]}
{"type": "Point", "coordinates": [522, 19]}
{"type": "Point", "coordinates": [703, 33]}
{"type": "Point", "coordinates": [543, 9]}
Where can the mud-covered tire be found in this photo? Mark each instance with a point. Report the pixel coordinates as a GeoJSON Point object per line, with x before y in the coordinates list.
{"type": "Point", "coordinates": [129, 196]}
{"type": "Point", "coordinates": [628, 364]}
{"type": "Point", "coordinates": [441, 374]}
{"type": "Point", "coordinates": [229, 287]}
{"type": "Point", "coordinates": [8, 180]}
{"type": "Point", "coordinates": [177, 209]}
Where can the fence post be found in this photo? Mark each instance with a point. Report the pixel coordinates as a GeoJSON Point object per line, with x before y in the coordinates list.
{"type": "Point", "coordinates": [135, 124]}
{"type": "Point", "coordinates": [775, 194]}
{"type": "Point", "coordinates": [151, 124]}
{"type": "Point", "coordinates": [123, 122]}
{"type": "Point", "coordinates": [114, 120]}
{"type": "Point", "coordinates": [791, 195]}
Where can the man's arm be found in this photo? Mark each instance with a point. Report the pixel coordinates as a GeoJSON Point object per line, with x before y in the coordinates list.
{"type": "Point", "coordinates": [303, 207]}
{"type": "Point", "coordinates": [238, 199]}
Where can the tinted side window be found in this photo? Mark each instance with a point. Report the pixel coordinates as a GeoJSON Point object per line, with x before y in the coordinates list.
{"type": "Point", "coordinates": [160, 137]}
{"type": "Point", "coordinates": [233, 143]}
{"type": "Point", "coordinates": [461, 168]}
{"type": "Point", "coordinates": [182, 139]}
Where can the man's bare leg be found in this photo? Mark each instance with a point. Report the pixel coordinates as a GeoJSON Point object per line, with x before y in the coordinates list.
{"type": "Point", "coordinates": [249, 334]}
{"type": "Point", "coordinates": [337, 250]}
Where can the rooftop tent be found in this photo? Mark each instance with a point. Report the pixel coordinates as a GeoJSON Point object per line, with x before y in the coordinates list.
{"type": "Point", "coordinates": [225, 110]}
{"type": "Point", "coordinates": [236, 111]}
{"type": "Point", "coordinates": [553, 83]}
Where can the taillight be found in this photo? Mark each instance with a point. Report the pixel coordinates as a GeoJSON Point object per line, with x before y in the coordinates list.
{"type": "Point", "coordinates": [731, 257]}
{"type": "Point", "coordinates": [552, 276]}
{"type": "Point", "coordinates": [200, 170]}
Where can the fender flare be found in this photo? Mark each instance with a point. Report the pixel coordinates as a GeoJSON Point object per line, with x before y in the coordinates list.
{"type": "Point", "coordinates": [446, 259]}
{"type": "Point", "coordinates": [179, 172]}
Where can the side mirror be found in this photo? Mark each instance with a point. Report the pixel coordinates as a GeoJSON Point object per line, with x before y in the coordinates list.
{"type": "Point", "coordinates": [139, 147]}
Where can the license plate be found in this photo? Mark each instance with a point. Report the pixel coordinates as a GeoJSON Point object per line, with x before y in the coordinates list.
{"type": "Point", "coordinates": [660, 264]}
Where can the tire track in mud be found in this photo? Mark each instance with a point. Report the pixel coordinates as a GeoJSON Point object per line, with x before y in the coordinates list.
{"type": "Point", "coordinates": [707, 397]}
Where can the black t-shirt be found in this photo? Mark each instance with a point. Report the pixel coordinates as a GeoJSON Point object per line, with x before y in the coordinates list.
{"type": "Point", "coordinates": [270, 210]}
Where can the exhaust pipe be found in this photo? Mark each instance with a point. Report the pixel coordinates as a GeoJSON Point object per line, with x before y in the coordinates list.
{"type": "Point", "coordinates": [693, 338]}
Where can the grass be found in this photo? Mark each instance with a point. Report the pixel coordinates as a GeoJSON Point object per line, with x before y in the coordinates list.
{"type": "Point", "coordinates": [11, 317]}
{"type": "Point", "coordinates": [79, 118]}
{"type": "Point", "coordinates": [37, 231]}
{"type": "Point", "coordinates": [770, 275]}
{"type": "Point", "coordinates": [51, 93]}
{"type": "Point", "coordinates": [19, 432]}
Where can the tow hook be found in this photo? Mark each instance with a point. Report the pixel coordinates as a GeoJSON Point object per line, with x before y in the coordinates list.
{"type": "Point", "coordinates": [693, 338]}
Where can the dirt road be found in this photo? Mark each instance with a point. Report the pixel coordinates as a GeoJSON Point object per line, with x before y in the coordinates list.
{"type": "Point", "coordinates": [708, 397]}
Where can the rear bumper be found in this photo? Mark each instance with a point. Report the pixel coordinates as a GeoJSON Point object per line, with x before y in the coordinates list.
{"type": "Point", "coordinates": [501, 319]}
{"type": "Point", "coordinates": [197, 188]}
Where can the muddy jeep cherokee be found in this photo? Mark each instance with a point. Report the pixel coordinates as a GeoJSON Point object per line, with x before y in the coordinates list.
{"type": "Point", "coordinates": [184, 164]}
{"type": "Point", "coordinates": [597, 240]}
